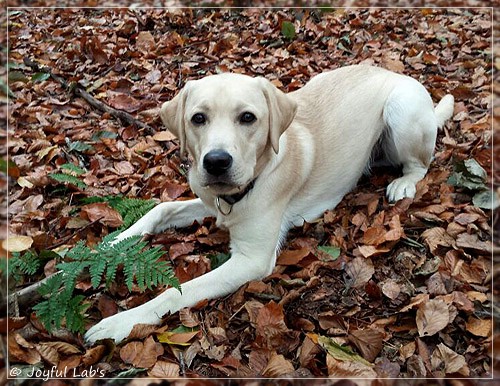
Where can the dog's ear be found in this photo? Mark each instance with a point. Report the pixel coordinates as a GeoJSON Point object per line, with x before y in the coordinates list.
{"type": "Point", "coordinates": [282, 111]}
{"type": "Point", "coordinates": [172, 116]}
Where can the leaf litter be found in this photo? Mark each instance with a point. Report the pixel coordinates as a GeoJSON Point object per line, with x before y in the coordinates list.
{"type": "Point", "coordinates": [369, 290]}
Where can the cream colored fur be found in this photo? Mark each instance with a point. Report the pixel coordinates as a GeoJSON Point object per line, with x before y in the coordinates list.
{"type": "Point", "coordinates": [305, 151]}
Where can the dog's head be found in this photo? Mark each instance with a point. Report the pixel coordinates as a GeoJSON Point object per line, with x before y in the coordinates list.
{"type": "Point", "coordinates": [227, 123]}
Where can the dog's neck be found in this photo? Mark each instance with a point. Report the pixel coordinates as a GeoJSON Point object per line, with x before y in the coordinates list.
{"type": "Point", "coordinates": [232, 199]}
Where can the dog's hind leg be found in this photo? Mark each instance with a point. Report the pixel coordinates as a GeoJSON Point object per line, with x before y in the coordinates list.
{"type": "Point", "coordinates": [410, 134]}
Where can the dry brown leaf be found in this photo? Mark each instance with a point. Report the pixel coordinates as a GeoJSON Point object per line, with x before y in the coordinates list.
{"type": "Point", "coordinates": [407, 350]}
{"type": "Point", "coordinates": [432, 316]}
{"type": "Point", "coordinates": [124, 168]}
{"type": "Point", "coordinates": [180, 338]}
{"type": "Point", "coordinates": [374, 235]}
{"type": "Point", "coordinates": [188, 318]}
{"type": "Point", "coordinates": [124, 102]}
{"type": "Point", "coordinates": [141, 354]}
{"type": "Point", "coordinates": [277, 366]}
{"type": "Point", "coordinates": [435, 237]}
{"type": "Point", "coordinates": [163, 136]}
{"type": "Point", "coordinates": [145, 42]}
{"type": "Point", "coordinates": [142, 331]}
{"type": "Point", "coordinates": [17, 352]}
{"type": "Point", "coordinates": [292, 257]}
{"type": "Point", "coordinates": [360, 270]}
{"type": "Point", "coordinates": [472, 242]}
{"type": "Point", "coordinates": [93, 355]}
{"type": "Point", "coordinates": [271, 323]}
{"type": "Point", "coordinates": [391, 289]}
{"type": "Point", "coordinates": [48, 353]}
{"type": "Point", "coordinates": [180, 249]}
{"type": "Point", "coordinates": [348, 369]}
{"type": "Point", "coordinates": [17, 243]}
{"type": "Point", "coordinates": [102, 212]}
{"type": "Point", "coordinates": [308, 351]}
{"type": "Point", "coordinates": [212, 350]}
{"type": "Point", "coordinates": [164, 369]}
{"type": "Point", "coordinates": [63, 347]}
{"type": "Point", "coordinates": [453, 362]}
{"type": "Point", "coordinates": [368, 341]}
{"type": "Point", "coordinates": [479, 327]}
{"type": "Point", "coordinates": [371, 250]}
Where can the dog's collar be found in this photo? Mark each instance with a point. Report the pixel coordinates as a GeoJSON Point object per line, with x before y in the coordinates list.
{"type": "Point", "coordinates": [232, 199]}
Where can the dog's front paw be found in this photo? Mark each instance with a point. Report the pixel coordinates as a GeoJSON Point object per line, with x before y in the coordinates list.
{"type": "Point", "coordinates": [119, 326]}
{"type": "Point", "coordinates": [400, 188]}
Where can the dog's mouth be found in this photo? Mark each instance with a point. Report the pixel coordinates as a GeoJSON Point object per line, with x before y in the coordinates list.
{"type": "Point", "coordinates": [221, 188]}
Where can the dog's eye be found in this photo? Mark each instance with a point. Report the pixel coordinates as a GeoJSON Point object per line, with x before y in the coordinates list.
{"type": "Point", "coordinates": [198, 119]}
{"type": "Point", "coordinates": [247, 117]}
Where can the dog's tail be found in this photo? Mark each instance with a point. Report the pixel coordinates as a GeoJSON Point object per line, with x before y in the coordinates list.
{"type": "Point", "coordinates": [444, 109]}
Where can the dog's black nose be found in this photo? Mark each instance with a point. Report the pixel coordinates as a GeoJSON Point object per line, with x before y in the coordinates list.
{"type": "Point", "coordinates": [217, 162]}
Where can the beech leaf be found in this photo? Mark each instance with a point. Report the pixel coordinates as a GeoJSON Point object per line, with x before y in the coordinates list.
{"type": "Point", "coordinates": [432, 317]}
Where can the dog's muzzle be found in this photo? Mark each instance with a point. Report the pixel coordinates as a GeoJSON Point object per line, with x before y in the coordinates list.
{"type": "Point", "coordinates": [217, 162]}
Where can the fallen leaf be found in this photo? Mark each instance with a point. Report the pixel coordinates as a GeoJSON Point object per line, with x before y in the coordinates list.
{"type": "Point", "coordinates": [141, 354]}
{"type": "Point", "coordinates": [48, 353]}
{"type": "Point", "coordinates": [177, 338]}
{"type": "Point", "coordinates": [17, 243]}
{"type": "Point", "coordinates": [292, 257]}
{"type": "Point", "coordinates": [277, 366]}
{"type": "Point", "coordinates": [479, 327]}
{"type": "Point", "coordinates": [432, 317]}
{"type": "Point", "coordinates": [93, 355]}
{"type": "Point", "coordinates": [453, 362]}
{"type": "Point", "coordinates": [145, 42]}
{"type": "Point", "coordinates": [271, 324]}
{"type": "Point", "coordinates": [435, 237]}
{"type": "Point", "coordinates": [164, 369]}
{"type": "Point", "coordinates": [188, 318]}
{"type": "Point", "coordinates": [391, 289]}
{"type": "Point", "coordinates": [348, 369]}
{"type": "Point", "coordinates": [124, 102]}
{"type": "Point", "coordinates": [368, 341]}
{"type": "Point", "coordinates": [102, 212]}
{"type": "Point", "coordinates": [359, 271]}
{"type": "Point", "coordinates": [164, 136]}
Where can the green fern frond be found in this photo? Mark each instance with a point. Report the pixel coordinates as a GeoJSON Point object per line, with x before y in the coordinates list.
{"type": "Point", "coordinates": [132, 209]}
{"type": "Point", "coordinates": [141, 264]}
{"type": "Point", "coordinates": [27, 263]}
{"type": "Point", "coordinates": [73, 169]}
{"type": "Point", "coordinates": [68, 179]}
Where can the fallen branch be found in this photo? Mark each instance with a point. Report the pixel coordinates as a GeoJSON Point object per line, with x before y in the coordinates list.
{"type": "Point", "coordinates": [26, 295]}
{"type": "Point", "coordinates": [78, 90]}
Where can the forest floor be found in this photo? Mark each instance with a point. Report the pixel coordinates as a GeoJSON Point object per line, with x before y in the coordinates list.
{"type": "Point", "coordinates": [370, 290]}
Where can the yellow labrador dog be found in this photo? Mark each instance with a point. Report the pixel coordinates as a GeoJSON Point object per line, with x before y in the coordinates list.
{"type": "Point", "coordinates": [264, 161]}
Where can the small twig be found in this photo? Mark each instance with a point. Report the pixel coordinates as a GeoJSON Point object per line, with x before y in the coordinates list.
{"type": "Point", "coordinates": [64, 240]}
{"type": "Point", "coordinates": [79, 91]}
{"type": "Point", "coordinates": [29, 294]}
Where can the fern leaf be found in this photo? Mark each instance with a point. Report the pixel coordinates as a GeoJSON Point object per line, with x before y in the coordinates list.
{"type": "Point", "coordinates": [73, 169]}
{"type": "Point", "coordinates": [75, 320]}
{"type": "Point", "coordinates": [27, 263]}
{"type": "Point", "coordinates": [132, 209]}
{"type": "Point", "coordinates": [68, 179]}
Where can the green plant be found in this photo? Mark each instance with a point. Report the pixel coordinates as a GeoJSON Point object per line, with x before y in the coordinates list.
{"type": "Point", "coordinates": [25, 264]}
{"type": "Point", "coordinates": [70, 176]}
{"type": "Point", "coordinates": [469, 175]}
{"type": "Point", "coordinates": [141, 265]}
{"type": "Point", "coordinates": [131, 209]}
